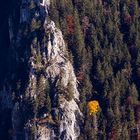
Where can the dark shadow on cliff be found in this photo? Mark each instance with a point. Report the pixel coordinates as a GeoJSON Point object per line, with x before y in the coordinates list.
{"type": "Point", "coordinates": [5, 114]}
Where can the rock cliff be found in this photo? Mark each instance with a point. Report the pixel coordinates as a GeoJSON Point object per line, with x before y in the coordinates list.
{"type": "Point", "coordinates": [47, 57]}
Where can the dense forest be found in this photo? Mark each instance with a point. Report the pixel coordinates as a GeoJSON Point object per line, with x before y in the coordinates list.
{"type": "Point", "coordinates": [102, 56]}
{"type": "Point", "coordinates": [103, 38]}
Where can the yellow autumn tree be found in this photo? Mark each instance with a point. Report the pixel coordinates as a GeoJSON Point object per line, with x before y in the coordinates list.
{"type": "Point", "coordinates": [93, 107]}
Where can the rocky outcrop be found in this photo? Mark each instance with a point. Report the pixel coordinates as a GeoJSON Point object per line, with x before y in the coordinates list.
{"type": "Point", "coordinates": [54, 60]}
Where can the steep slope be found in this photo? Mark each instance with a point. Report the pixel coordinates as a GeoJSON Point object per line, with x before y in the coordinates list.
{"type": "Point", "coordinates": [54, 66]}
{"type": "Point", "coordinates": [71, 71]}
{"type": "Point", "coordinates": [58, 69]}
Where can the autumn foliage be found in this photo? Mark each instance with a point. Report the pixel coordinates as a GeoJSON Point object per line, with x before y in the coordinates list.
{"type": "Point", "coordinates": [138, 113]}
{"type": "Point", "coordinates": [112, 134]}
{"type": "Point", "coordinates": [80, 76]}
{"type": "Point", "coordinates": [70, 24]}
{"type": "Point", "coordinates": [93, 107]}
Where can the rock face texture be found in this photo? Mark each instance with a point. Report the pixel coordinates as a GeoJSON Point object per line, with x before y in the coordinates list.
{"type": "Point", "coordinates": [46, 56]}
{"type": "Point", "coordinates": [69, 70]}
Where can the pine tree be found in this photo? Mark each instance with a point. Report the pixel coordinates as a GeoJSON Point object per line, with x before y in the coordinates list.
{"type": "Point", "coordinates": [79, 51]}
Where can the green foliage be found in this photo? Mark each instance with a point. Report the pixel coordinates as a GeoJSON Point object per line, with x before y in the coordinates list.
{"type": "Point", "coordinates": [106, 54]}
{"type": "Point", "coordinates": [66, 92]}
{"type": "Point", "coordinates": [124, 134]}
{"type": "Point", "coordinates": [69, 90]}
{"type": "Point", "coordinates": [32, 4]}
{"type": "Point", "coordinates": [33, 132]}
{"type": "Point", "coordinates": [35, 24]}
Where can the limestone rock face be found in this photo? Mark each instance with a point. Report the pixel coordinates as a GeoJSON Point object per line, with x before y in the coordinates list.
{"type": "Point", "coordinates": [52, 60]}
